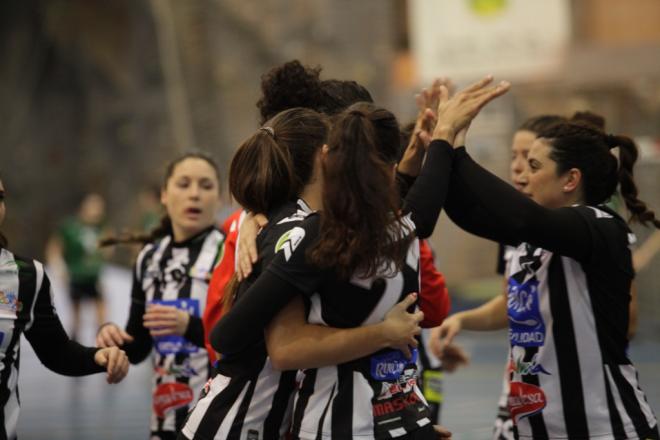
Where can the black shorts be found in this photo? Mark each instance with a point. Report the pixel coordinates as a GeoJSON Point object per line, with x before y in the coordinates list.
{"type": "Point", "coordinates": [84, 290]}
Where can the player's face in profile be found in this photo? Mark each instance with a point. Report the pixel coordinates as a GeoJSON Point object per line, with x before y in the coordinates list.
{"type": "Point", "coordinates": [522, 142]}
{"type": "Point", "coordinates": [542, 183]}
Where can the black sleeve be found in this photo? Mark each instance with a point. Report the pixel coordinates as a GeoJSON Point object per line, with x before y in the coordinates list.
{"type": "Point", "coordinates": [287, 275]}
{"type": "Point", "coordinates": [501, 264]}
{"type": "Point", "coordinates": [52, 345]}
{"type": "Point", "coordinates": [404, 183]}
{"type": "Point", "coordinates": [486, 206]}
{"type": "Point", "coordinates": [244, 324]}
{"type": "Point", "coordinates": [195, 331]}
{"type": "Point", "coordinates": [140, 347]}
{"type": "Point", "coordinates": [425, 199]}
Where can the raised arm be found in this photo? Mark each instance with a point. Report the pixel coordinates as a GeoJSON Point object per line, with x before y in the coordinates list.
{"type": "Point", "coordinates": [425, 199]}
{"type": "Point", "coordinates": [484, 205]}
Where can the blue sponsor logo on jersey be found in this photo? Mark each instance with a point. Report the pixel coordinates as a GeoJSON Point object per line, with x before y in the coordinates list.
{"type": "Point", "coordinates": [2, 337]}
{"type": "Point", "coordinates": [526, 326]}
{"type": "Point", "coordinates": [390, 365]}
{"type": "Point", "coordinates": [173, 344]}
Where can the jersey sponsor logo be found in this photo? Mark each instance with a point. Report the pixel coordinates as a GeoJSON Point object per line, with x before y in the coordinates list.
{"type": "Point", "coordinates": [2, 337]}
{"type": "Point", "coordinates": [170, 396]}
{"type": "Point", "coordinates": [521, 367]}
{"type": "Point", "coordinates": [525, 400]}
{"type": "Point", "coordinates": [391, 365]}
{"type": "Point", "coordinates": [183, 370]}
{"type": "Point", "coordinates": [395, 405]}
{"type": "Point", "coordinates": [526, 326]}
{"type": "Point", "coordinates": [398, 404]}
{"type": "Point", "coordinates": [289, 241]}
{"type": "Point", "coordinates": [252, 434]}
{"type": "Point", "coordinates": [9, 302]}
{"type": "Point", "coordinates": [173, 344]}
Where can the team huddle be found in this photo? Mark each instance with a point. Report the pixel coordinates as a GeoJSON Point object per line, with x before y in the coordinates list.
{"type": "Point", "coordinates": [300, 317]}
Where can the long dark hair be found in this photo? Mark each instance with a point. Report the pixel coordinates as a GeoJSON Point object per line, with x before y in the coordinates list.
{"type": "Point", "coordinates": [164, 227]}
{"type": "Point", "coordinates": [360, 203]}
{"type": "Point", "coordinates": [274, 164]}
{"type": "Point", "coordinates": [579, 145]}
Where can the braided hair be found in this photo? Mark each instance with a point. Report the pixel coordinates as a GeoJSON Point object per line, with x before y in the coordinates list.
{"type": "Point", "coordinates": [580, 145]}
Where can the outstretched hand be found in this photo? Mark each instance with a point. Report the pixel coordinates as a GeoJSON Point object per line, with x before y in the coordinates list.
{"type": "Point", "coordinates": [111, 335]}
{"type": "Point", "coordinates": [443, 335]}
{"type": "Point", "coordinates": [115, 361]}
{"type": "Point", "coordinates": [455, 114]}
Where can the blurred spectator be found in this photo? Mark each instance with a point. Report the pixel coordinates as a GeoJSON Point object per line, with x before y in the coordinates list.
{"type": "Point", "coordinates": [73, 252]}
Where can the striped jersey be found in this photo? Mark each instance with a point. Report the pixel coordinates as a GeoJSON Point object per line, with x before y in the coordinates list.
{"type": "Point", "coordinates": [374, 397]}
{"type": "Point", "coordinates": [174, 274]}
{"type": "Point", "coordinates": [503, 426]}
{"type": "Point", "coordinates": [570, 375]}
{"type": "Point", "coordinates": [248, 399]}
{"type": "Point", "coordinates": [26, 307]}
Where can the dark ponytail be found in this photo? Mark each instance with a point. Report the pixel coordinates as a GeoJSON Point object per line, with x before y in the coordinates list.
{"type": "Point", "coordinates": [274, 164]}
{"type": "Point", "coordinates": [628, 154]}
{"type": "Point", "coordinates": [3, 241]}
{"type": "Point", "coordinates": [164, 227]}
{"type": "Point", "coordinates": [360, 204]}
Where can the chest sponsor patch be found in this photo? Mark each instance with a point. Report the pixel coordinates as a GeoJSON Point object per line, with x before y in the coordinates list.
{"type": "Point", "coordinates": [174, 344]}
{"type": "Point", "coordinates": [183, 369]}
{"type": "Point", "coordinates": [525, 400]}
{"type": "Point", "coordinates": [289, 241]}
{"type": "Point", "coordinates": [526, 326]}
{"type": "Point", "coordinates": [170, 396]}
{"type": "Point", "coordinates": [533, 367]}
{"type": "Point", "coordinates": [398, 406]}
{"type": "Point", "coordinates": [9, 303]}
{"type": "Point", "coordinates": [390, 365]}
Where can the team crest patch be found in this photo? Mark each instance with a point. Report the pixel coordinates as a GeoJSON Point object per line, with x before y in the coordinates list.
{"type": "Point", "coordinates": [289, 241]}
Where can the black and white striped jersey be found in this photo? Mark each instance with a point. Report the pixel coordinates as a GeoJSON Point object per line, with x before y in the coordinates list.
{"type": "Point", "coordinates": [174, 274]}
{"type": "Point", "coordinates": [570, 375]}
{"type": "Point", "coordinates": [26, 307]}
{"type": "Point", "coordinates": [503, 427]}
{"type": "Point", "coordinates": [248, 399]}
{"type": "Point", "coordinates": [375, 396]}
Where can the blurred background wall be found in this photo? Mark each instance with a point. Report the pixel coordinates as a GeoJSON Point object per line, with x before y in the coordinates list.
{"type": "Point", "coordinates": [98, 95]}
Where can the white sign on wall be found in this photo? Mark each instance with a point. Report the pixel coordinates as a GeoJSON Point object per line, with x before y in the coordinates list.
{"type": "Point", "coordinates": [511, 39]}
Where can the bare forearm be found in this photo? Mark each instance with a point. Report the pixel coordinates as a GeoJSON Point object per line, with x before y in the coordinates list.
{"type": "Point", "coordinates": [314, 346]}
{"type": "Point", "coordinates": [489, 316]}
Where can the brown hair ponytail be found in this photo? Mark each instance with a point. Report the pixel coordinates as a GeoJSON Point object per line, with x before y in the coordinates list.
{"type": "Point", "coordinates": [164, 228]}
{"type": "Point", "coordinates": [628, 154]}
{"type": "Point", "coordinates": [360, 204]}
{"type": "Point", "coordinates": [275, 163]}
